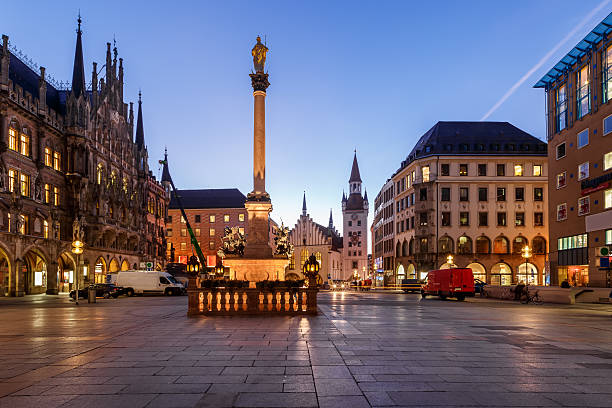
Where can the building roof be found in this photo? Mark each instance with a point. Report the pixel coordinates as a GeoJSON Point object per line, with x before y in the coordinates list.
{"type": "Point", "coordinates": [475, 138]}
{"type": "Point", "coordinates": [355, 176]}
{"type": "Point", "coordinates": [601, 31]}
{"type": "Point", "coordinates": [209, 198]}
{"type": "Point", "coordinates": [354, 202]}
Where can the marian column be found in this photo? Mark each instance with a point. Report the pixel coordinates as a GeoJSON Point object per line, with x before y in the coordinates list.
{"type": "Point", "coordinates": [258, 202]}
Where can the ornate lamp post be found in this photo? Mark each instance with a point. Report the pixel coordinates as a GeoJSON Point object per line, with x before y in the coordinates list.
{"type": "Point", "coordinates": [526, 254]}
{"type": "Point", "coordinates": [77, 249]}
{"type": "Point", "coordinates": [449, 261]}
{"type": "Point", "coordinates": [311, 270]}
{"type": "Point", "coordinates": [193, 266]}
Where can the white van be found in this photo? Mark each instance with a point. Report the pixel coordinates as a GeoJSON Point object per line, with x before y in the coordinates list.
{"type": "Point", "coordinates": [140, 282]}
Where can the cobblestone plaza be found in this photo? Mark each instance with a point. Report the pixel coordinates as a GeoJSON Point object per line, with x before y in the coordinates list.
{"type": "Point", "coordinates": [361, 350]}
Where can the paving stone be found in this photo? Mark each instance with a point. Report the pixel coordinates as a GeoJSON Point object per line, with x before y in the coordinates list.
{"type": "Point", "coordinates": [161, 388]}
{"type": "Point", "coordinates": [217, 400]}
{"type": "Point", "coordinates": [298, 387]}
{"type": "Point", "coordinates": [343, 402]}
{"type": "Point", "coordinates": [330, 387]}
{"type": "Point", "coordinates": [276, 400]}
{"type": "Point", "coordinates": [331, 372]}
{"type": "Point", "coordinates": [114, 401]}
{"type": "Point", "coordinates": [229, 388]}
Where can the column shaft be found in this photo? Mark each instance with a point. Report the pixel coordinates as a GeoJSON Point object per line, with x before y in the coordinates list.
{"type": "Point", "coordinates": [259, 143]}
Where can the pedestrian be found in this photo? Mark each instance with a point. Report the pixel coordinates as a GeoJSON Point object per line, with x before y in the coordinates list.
{"type": "Point", "coordinates": [565, 284]}
{"type": "Point", "coordinates": [518, 290]}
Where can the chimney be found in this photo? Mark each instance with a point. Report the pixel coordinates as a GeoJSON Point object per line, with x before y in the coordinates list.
{"type": "Point", "coordinates": [4, 64]}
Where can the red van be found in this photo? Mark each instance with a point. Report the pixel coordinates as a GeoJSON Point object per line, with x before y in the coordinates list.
{"type": "Point", "coordinates": [455, 282]}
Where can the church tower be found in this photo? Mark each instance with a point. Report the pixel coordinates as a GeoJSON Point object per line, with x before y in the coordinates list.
{"type": "Point", "coordinates": [355, 227]}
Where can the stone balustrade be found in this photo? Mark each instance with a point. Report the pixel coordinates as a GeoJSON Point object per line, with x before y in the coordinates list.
{"type": "Point", "coordinates": [251, 301]}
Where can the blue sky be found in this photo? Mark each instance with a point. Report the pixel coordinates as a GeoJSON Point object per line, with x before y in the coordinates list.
{"type": "Point", "coordinates": [372, 76]}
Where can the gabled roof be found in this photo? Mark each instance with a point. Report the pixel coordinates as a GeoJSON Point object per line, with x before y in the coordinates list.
{"type": "Point", "coordinates": [475, 138]}
{"type": "Point", "coordinates": [209, 198]}
{"type": "Point", "coordinates": [601, 31]}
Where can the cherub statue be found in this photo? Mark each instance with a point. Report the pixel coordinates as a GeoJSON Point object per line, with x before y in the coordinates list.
{"type": "Point", "coordinates": [233, 241]}
{"type": "Point", "coordinates": [281, 240]}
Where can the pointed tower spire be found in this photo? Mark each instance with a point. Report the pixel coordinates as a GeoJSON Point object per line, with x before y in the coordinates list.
{"type": "Point", "coordinates": [355, 177]}
{"type": "Point", "coordinates": [165, 172]}
{"type": "Point", "coordinates": [304, 205]}
{"type": "Point", "coordinates": [365, 196]}
{"type": "Point", "coordinates": [343, 196]}
{"type": "Point", "coordinates": [78, 71]}
{"type": "Point", "coordinates": [331, 220]}
{"type": "Point", "coordinates": [139, 125]}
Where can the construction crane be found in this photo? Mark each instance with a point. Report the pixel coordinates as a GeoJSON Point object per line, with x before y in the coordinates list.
{"type": "Point", "coordinates": [166, 177]}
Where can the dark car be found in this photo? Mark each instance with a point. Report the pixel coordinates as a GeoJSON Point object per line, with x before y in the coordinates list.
{"type": "Point", "coordinates": [411, 285]}
{"type": "Point", "coordinates": [105, 290]}
{"type": "Point", "coordinates": [479, 286]}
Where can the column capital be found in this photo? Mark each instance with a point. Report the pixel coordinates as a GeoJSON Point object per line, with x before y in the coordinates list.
{"type": "Point", "coordinates": [259, 81]}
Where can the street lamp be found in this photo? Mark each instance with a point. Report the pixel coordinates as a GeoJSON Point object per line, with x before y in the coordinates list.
{"type": "Point", "coordinates": [219, 269]}
{"type": "Point", "coordinates": [449, 260]}
{"type": "Point", "coordinates": [193, 266]}
{"type": "Point", "coordinates": [77, 249]}
{"type": "Point", "coordinates": [311, 270]}
{"type": "Point", "coordinates": [526, 254]}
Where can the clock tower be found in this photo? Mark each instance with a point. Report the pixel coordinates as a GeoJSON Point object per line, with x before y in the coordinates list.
{"type": "Point", "coordinates": [355, 227]}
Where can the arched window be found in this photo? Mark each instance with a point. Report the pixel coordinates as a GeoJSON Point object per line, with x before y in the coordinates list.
{"type": "Point", "coordinates": [538, 245]}
{"type": "Point", "coordinates": [483, 245]}
{"type": "Point", "coordinates": [464, 245]}
{"type": "Point", "coordinates": [24, 142]}
{"type": "Point", "coordinates": [518, 244]}
{"type": "Point", "coordinates": [501, 274]}
{"type": "Point", "coordinates": [531, 275]}
{"type": "Point", "coordinates": [318, 256]}
{"type": "Point", "coordinates": [401, 273]}
{"type": "Point", "coordinates": [411, 271]}
{"type": "Point", "coordinates": [99, 173]}
{"type": "Point", "coordinates": [423, 246]}
{"type": "Point", "coordinates": [445, 245]}
{"type": "Point", "coordinates": [501, 245]}
{"type": "Point", "coordinates": [12, 139]}
{"type": "Point", "coordinates": [405, 248]}
{"type": "Point", "coordinates": [398, 250]}
{"type": "Point", "coordinates": [478, 270]}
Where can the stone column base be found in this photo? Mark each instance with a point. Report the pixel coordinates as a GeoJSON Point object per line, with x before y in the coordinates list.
{"type": "Point", "coordinates": [256, 270]}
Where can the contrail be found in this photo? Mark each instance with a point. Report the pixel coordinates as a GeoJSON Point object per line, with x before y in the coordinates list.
{"type": "Point", "coordinates": [537, 66]}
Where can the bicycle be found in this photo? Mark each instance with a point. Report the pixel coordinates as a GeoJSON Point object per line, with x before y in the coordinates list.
{"type": "Point", "coordinates": [529, 297]}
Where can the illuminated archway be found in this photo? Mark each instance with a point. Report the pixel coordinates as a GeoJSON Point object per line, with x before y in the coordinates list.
{"type": "Point", "coordinates": [401, 273]}
{"type": "Point", "coordinates": [501, 274]}
{"type": "Point", "coordinates": [411, 271]}
{"type": "Point", "coordinates": [100, 270]}
{"type": "Point", "coordinates": [125, 265]}
{"type": "Point", "coordinates": [113, 266]}
{"type": "Point", "coordinates": [5, 270]}
{"type": "Point", "coordinates": [530, 277]}
{"type": "Point", "coordinates": [478, 270]}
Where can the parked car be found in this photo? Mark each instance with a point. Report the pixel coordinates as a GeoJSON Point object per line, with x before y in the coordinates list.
{"type": "Point", "coordinates": [141, 282]}
{"type": "Point", "coordinates": [105, 290]}
{"type": "Point", "coordinates": [454, 282]}
{"type": "Point", "coordinates": [410, 285]}
{"type": "Point", "coordinates": [479, 286]}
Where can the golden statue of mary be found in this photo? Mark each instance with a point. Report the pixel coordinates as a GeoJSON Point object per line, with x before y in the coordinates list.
{"type": "Point", "coordinates": [259, 55]}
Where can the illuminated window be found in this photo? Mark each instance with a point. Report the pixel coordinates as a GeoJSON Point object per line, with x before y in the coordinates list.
{"type": "Point", "coordinates": [211, 232]}
{"type": "Point", "coordinates": [45, 229]}
{"type": "Point", "coordinates": [303, 257]}
{"type": "Point", "coordinates": [561, 108]}
{"type": "Point", "coordinates": [561, 180]}
{"type": "Point", "coordinates": [183, 232]}
{"type": "Point", "coordinates": [168, 232]}
{"type": "Point", "coordinates": [425, 173]}
{"type": "Point", "coordinates": [583, 171]}
{"type": "Point", "coordinates": [57, 161]}
{"type": "Point", "coordinates": [24, 146]}
{"type": "Point", "coordinates": [12, 178]}
{"type": "Point", "coordinates": [182, 219]}
{"type": "Point", "coordinates": [562, 212]}
{"type": "Point", "coordinates": [226, 218]}
{"type": "Point", "coordinates": [241, 230]}
{"type": "Point", "coordinates": [518, 169]}
{"type": "Point", "coordinates": [607, 161]}
{"type": "Point", "coordinates": [584, 205]}
{"type": "Point", "coordinates": [99, 173]}
{"type": "Point", "coordinates": [607, 73]}
{"type": "Point", "coordinates": [56, 198]}
{"type": "Point", "coordinates": [463, 169]}
{"type": "Point", "coordinates": [113, 177]}
{"type": "Point", "coordinates": [583, 100]}
{"type": "Point", "coordinates": [608, 198]}
{"type": "Point", "coordinates": [25, 185]}
{"type": "Point", "coordinates": [537, 170]}
{"type": "Point", "coordinates": [125, 189]}
{"type": "Point", "coordinates": [241, 216]}
{"type": "Point", "coordinates": [47, 193]}
{"type": "Point", "coordinates": [183, 246]}
{"type": "Point", "coordinates": [197, 232]}
{"type": "Point", "coordinates": [609, 237]}
{"type": "Point", "coordinates": [12, 140]}
{"type": "Point", "coordinates": [292, 261]}
{"type": "Point", "coordinates": [48, 157]}
{"type": "Point", "coordinates": [211, 218]}
{"type": "Point", "coordinates": [538, 194]}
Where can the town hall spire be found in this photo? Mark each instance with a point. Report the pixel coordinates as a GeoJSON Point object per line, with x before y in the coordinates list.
{"type": "Point", "coordinates": [304, 205]}
{"type": "Point", "coordinates": [139, 125]}
{"type": "Point", "coordinates": [78, 72]}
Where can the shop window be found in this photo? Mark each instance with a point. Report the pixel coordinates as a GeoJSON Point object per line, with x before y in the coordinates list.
{"type": "Point", "coordinates": [584, 205]}
{"type": "Point", "coordinates": [583, 171]}
{"type": "Point", "coordinates": [561, 180]}
{"type": "Point", "coordinates": [562, 212]}
{"type": "Point", "coordinates": [537, 170]}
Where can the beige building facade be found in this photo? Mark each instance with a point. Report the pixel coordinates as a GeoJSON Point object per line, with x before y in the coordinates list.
{"type": "Point", "coordinates": [474, 191]}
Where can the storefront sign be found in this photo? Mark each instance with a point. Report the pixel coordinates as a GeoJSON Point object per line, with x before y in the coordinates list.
{"type": "Point", "coordinates": [596, 188]}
